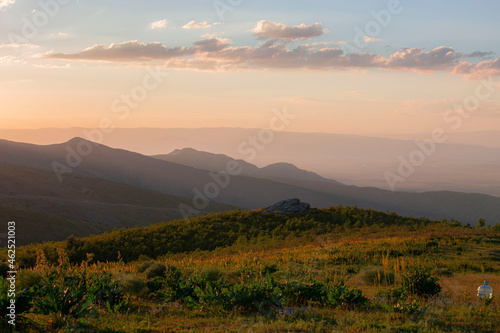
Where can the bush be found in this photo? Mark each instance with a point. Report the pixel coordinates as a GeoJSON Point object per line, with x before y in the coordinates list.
{"type": "Point", "coordinates": [420, 283]}
{"type": "Point", "coordinates": [23, 299]}
{"type": "Point", "coordinates": [432, 244]}
{"type": "Point", "coordinates": [63, 295]}
{"type": "Point", "coordinates": [393, 295]}
{"type": "Point", "coordinates": [4, 268]}
{"type": "Point", "coordinates": [28, 278]}
{"type": "Point", "coordinates": [211, 274]}
{"type": "Point", "coordinates": [107, 293]}
{"type": "Point", "coordinates": [300, 293]}
{"type": "Point", "coordinates": [340, 295]}
{"type": "Point", "coordinates": [377, 276]}
{"type": "Point", "coordinates": [155, 270]}
{"type": "Point", "coordinates": [144, 265]}
{"type": "Point", "coordinates": [132, 284]}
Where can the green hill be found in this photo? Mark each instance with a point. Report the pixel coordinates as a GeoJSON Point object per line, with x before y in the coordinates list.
{"type": "Point", "coordinates": [341, 269]}
{"type": "Point", "coordinates": [219, 230]}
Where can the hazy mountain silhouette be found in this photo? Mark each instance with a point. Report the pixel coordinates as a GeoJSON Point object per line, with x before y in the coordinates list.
{"type": "Point", "coordinates": [244, 191]}
{"type": "Point", "coordinates": [456, 164]}
{"type": "Point", "coordinates": [218, 162]}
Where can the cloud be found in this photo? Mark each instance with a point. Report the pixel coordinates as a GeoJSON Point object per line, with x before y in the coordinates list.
{"type": "Point", "coordinates": [416, 59]}
{"type": "Point", "coordinates": [160, 24]}
{"type": "Point", "coordinates": [127, 51]}
{"type": "Point", "coordinates": [371, 40]}
{"type": "Point", "coordinates": [19, 46]}
{"type": "Point", "coordinates": [5, 3]}
{"type": "Point", "coordinates": [198, 25]}
{"type": "Point", "coordinates": [11, 60]}
{"type": "Point", "coordinates": [52, 66]}
{"type": "Point", "coordinates": [478, 71]}
{"type": "Point", "coordinates": [218, 54]}
{"type": "Point", "coordinates": [271, 30]}
{"type": "Point", "coordinates": [478, 54]}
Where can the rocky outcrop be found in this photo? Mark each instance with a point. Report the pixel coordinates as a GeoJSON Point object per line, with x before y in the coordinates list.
{"type": "Point", "coordinates": [290, 206]}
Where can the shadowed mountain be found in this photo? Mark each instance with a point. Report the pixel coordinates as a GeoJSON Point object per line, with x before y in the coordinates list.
{"type": "Point", "coordinates": [218, 162]}
{"type": "Point", "coordinates": [46, 209]}
{"type": "Point", "coordinates": [242, 191]}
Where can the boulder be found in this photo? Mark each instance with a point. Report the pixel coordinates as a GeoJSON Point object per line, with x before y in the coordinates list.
{"type": "Point", "coordinates": [290, 206]}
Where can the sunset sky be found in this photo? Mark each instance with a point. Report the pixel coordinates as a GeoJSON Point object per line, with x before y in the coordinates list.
{"type": "Point", "coordinates": [359, 67]}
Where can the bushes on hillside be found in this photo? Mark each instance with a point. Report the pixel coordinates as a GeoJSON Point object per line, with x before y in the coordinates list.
{"type": "Point", "coordinates": [217, 230]}
{"type": "Point", "coordinates": [377, 276]}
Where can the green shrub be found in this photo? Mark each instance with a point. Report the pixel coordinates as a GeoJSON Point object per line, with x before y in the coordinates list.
{"type": "Point", "coordinates": [156, 269]}
{"type": "Point", "coordinates": [4, 268]}
{"type": "Point", "coordinates": [420, 283]}
{"type": "Point", "coordinates": [144, 265]}
{"type": "Point", "coordinates": [302, 293]}
{"type": "Point", "coordinates": [132, 284]}
{"type": "Point", "coordinates": [376, 276]}
{"type": "Point", "coordinates": [232, 276]}
{"type": "Point", "coordinates": [211, 274]}
{"type": "Point", "coordinates": [22, 305]}
{"type": "Point", "coordinates": [393, 295]}
{"type": "Point", "coordinates": [107, 293]}
{"type": "Point", "coordinates": [340, 295]}
{"type": "Point", "coordinates": [432, 244]}
{"type": "Point", "coordinates": [63, 295]}
{"type": "Point", "coordinates": [28, 278]}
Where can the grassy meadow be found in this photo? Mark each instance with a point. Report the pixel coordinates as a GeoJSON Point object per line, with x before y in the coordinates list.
{"type": "Point", "coordinates": [341, 269]}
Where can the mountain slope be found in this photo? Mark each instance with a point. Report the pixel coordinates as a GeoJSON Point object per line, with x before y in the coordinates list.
{"type": "Point", "coordinates": [243, 191]}
{"type": "Point", "coordinates": [350, 159]}
{"type": "Point", "coordinates": [218, 162]}
{"type": "Point", "coordinates": [80, 205]}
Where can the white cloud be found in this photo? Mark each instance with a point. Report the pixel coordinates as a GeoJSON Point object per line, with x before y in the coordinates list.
{"type": "Point", "coordinates": [371, 39]}
{"type": "Point", "coordinates": [270, 30]}
{"type": "Point", "coordinates": [219, 54]}
{"type": "Point", "coordinates": [160, 24]}
{"type": "Point", "coordinates": [198, 25]}
{"type": "Point", "coordinates": [5, 3]}
{"type": "Point", "coordinates": [18, 46]}
{"type": "Point", "coordinates": [11, 60]}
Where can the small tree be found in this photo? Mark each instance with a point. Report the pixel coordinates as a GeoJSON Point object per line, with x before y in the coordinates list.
{"type": "Point", "coordinates": [481, 223]}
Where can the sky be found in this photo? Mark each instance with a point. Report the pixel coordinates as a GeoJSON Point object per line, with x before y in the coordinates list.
{"type": "Point", "coordinates": [352, 67]}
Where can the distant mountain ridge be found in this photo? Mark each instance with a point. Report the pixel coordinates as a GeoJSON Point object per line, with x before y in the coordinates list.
{"type": "Point", "coordinates": [244, 191]}
{"type": "Point", "coordinates": [218, 162]}
{"type": "Point", "coordinates": [459, 164]}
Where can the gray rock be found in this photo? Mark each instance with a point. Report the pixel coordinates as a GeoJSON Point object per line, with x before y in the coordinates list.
{"type": "Point", "coordinates": [289, 206]}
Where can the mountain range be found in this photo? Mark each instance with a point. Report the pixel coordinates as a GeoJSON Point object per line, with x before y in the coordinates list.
{"type": "Point", "coordinates": [464, 162]}
{"type": "Point", "coordinates": [92, 188]}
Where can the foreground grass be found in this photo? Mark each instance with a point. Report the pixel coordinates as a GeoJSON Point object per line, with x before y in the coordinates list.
{"type": "Point", "coordinates": [460, 257]}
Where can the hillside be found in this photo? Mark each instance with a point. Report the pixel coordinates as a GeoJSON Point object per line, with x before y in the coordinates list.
{"type": "Point", "coordinates": [338, 269]}
{"type": "Point", "coordinates": [218, 162]}
{"type": "Point", "coordinates": [209, 232]}
{"type": "Point", "coordinates": [244, 191]}
{"type": "Point", "coordinates": [79, 205]}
